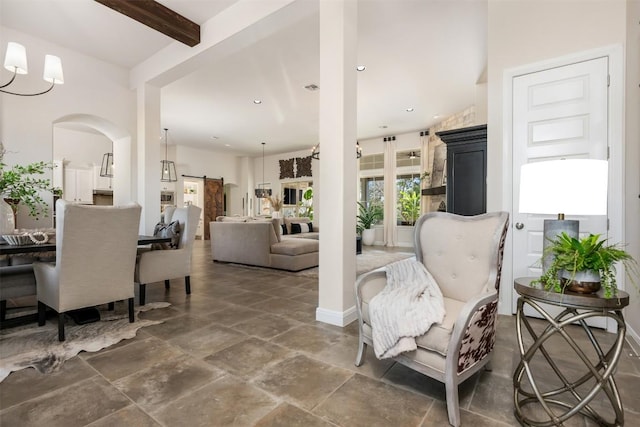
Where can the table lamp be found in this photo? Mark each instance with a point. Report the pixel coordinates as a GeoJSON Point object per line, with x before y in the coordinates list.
{"type": "Point", "coordinates": [563, 187]}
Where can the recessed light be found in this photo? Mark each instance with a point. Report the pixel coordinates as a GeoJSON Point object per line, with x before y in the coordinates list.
{"type": "Point", "coordinates": [227, 145]}
{"type": "Point", "coordinates": [214, 137]}
{"type": "Point", "coordinates": [361, 68]}
{"type": "Point", "coordinates": [437, 116]}
{"type": "Point", "coordinates": [383, 126]}
{"type": "Point", "coordinates": [257, 101]}
{"type": "Point", "coordinates": [409, 110]}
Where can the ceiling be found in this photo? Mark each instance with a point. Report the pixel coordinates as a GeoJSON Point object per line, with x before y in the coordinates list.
{"type": "Point", "coordinates": [422, 54]}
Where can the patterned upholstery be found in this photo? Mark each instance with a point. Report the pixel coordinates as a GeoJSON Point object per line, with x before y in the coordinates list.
{"type": "Point", "coordinates": [464, 255]}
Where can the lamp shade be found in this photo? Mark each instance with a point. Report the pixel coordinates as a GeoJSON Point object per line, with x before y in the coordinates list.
{"type": "Point", "coordinates": [16, 58]}
{"type": "Point", "coordinates": [571, 187]}
{"type": "Point", "coordinates": [53, 69]}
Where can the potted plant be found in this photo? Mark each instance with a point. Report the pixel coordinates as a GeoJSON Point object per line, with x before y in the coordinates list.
{"type": "Point", "coordinates": [276, 205]}
{"type": "Point", "coordinates": [20, 185]}
{"type": "Point", "coordinates": [585, 265]}
{"type": "Point", "coordinates": [367, 217]}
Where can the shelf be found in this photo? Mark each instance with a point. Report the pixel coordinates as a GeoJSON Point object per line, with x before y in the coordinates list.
{"type": "Point", "coordinates": [434, 191]}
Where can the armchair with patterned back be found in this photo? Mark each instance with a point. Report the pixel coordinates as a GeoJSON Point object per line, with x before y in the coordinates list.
{"type": "Point", "coordinates": [464, 256]}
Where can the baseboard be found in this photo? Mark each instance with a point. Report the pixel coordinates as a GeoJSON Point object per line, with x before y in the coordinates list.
{"type": "Point", "coordinates": [337, 318]}
{"type": "Point", "coordinates": [633, 339]}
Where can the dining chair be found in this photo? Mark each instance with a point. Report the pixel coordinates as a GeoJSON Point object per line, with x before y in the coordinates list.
{"type": "Point", "coordinates": [95, 260]}
{"type": "Point", "coordinates": [464, 256]}
{"type": "Point", "coordinates": [164, 265]}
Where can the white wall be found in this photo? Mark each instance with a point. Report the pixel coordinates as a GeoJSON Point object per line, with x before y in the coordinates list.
{"type": "Point", "coordinates": [272, 173]}
{"type": "Point", "coordinates": [79, 148]}
{"type": "Point", "coordinates": [528, 31]}
{"type": "Point", "coordinates": [91, 87]}
{"type": "Point", "coordinates": [632, 151]}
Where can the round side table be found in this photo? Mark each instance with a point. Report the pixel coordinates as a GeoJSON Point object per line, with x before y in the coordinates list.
{"type": "Point", "coordinates": [562, 402]}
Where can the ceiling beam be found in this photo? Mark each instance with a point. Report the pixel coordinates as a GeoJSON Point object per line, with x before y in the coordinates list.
{"type": "Point", "coordinates": [159, 17]}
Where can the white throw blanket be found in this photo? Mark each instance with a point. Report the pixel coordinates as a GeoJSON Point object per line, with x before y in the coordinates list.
{"type": "Point", "coordinates": [406, 308]}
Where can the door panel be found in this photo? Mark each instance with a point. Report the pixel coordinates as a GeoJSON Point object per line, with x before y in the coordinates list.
{"type": "Point", "coordinates": [213, 202]}
{"type": "Point", "coordinates": [557, 113]}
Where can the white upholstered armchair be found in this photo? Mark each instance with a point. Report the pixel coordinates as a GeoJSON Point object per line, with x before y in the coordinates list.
{"type": "Point", "coordinates": [164, 265]}
{"type": "Point", "coordinates": [95, 259]}
{"type": "Point", "coordinates": [464, 256]}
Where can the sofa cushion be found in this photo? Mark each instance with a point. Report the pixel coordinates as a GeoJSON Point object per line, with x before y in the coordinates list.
{"type": "Point", "coordinates": [294, 247]}
{"type": "Point", "coordinates": [298, 228]}
{"type": "Point", "coordinates": [295, 220]}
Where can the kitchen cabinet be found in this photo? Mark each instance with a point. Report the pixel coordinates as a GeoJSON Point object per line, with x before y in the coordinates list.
{"type": "Point", "coordinates": [78, 185]}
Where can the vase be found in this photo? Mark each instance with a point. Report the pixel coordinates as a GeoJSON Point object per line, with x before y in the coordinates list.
{"type": "Point", "coordinates": [7, 218]}
{"type": "Point", "coordinates": [582, 282]}
{"type": "Point", "coordinates": [368, 236]}
{"type": "Point", "coordinates": [275, 214]}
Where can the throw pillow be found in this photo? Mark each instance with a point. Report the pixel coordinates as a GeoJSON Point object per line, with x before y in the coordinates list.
{"type": "Point", "coordinates": [295, 228]}
{"type": "Point", "coordinates": [283, 229]}
{"type": "Point", "coordinates": [310, 227]}
{"type": "Point", "coordinates": [171, 230]}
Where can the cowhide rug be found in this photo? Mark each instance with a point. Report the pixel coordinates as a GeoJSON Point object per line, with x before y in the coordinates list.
{"type": "Point", "coordinates": [38, 347]}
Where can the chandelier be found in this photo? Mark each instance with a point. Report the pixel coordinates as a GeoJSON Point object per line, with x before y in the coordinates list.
{"type": "Point", "coordinates": [168, 173]}
{"type": "Point", "coordinates": [15, 60]}
{"type": "Point", "coordinates": [315, 151]}
{"type": "Point", "coordinates": [261, 191]}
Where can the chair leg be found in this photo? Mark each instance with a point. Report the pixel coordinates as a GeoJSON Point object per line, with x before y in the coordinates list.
{"type": "Point", "coordinates": [143, 296]}
{"type": "Point", "coordinates": [42, 313]}
{"type": "Point", "coordinates": [167, 284]}
{"type": "Point", "coordinates": [362, 348]}
{"type": "Point", "coordinates": [111, 306]}
{"type": "Point", "coordinates": [187, 284]}
{"type": "Point", "coordinates": [453, 405]}
{"type": "Point", "coordinates": [3, 309]}
{"type": "Point", "coordinates": [131, 313]}
{"type": "Point", "coordinates": [60, 326]}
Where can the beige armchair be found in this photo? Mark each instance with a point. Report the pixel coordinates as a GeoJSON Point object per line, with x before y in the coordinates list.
{"type": "Point", "coordinates": [464, 255]}
{"type": "Point", "coordinates": [95, 260]}
{"type": "Point", "coordinates": [164, 265]}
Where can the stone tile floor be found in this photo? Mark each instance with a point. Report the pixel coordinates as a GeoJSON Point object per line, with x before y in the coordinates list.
{"type": "Point", "coordinates": [244, 349]}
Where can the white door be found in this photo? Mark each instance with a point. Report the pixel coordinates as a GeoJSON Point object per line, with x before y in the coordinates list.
{"type": "Point", "coordinates": [557, 113]}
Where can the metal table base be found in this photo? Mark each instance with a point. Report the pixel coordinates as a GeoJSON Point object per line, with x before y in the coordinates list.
{"type": "Point", "coordinates": [573, 396]}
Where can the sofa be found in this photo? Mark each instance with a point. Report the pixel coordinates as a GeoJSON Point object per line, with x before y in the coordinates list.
{"type": "Point", "coordinates": [258, 241]}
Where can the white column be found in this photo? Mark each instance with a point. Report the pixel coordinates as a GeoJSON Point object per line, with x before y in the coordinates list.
{"type": "Point", "coordinates": [148, 149]}
{"type": "Point", "coordinates": [338, 54]}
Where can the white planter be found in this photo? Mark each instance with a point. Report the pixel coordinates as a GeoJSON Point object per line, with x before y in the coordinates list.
{"type": "Point", "coordinates": [7, 224]}
{"type": "Point", "coordinates": [368, 236]}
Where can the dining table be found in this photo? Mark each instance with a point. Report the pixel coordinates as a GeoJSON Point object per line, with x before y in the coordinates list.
{"type": "Point", "coordinates": [80, 316]}
{"type": "Point", "coordinates": [7, 249]}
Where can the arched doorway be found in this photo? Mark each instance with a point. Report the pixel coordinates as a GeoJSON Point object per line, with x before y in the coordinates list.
{"type": "Point", "coordinates": [122, 181]}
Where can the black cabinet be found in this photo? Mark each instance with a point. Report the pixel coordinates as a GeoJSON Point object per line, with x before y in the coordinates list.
{"type": "Point", "coordinates": [466, 169]}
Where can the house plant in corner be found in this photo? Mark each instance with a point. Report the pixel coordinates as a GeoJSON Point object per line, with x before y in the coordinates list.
{"type": "Point", "coordinates": [367, 217]}
{"type": "Point", "coordinates": [585, 265]}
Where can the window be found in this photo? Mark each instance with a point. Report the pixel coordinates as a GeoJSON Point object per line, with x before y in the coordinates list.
{"type": "Point", "coordinates": [408, 186]}
{"type": "Point", "coordinates": [372, 180]}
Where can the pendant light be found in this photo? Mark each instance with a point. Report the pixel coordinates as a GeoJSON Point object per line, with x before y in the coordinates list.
{"type": "Point", "coordinates": [168, 173]}
{"type": "Point", "coordinates": [262, 192]}
{"type": "Point", "coordinates": [106, 169]}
